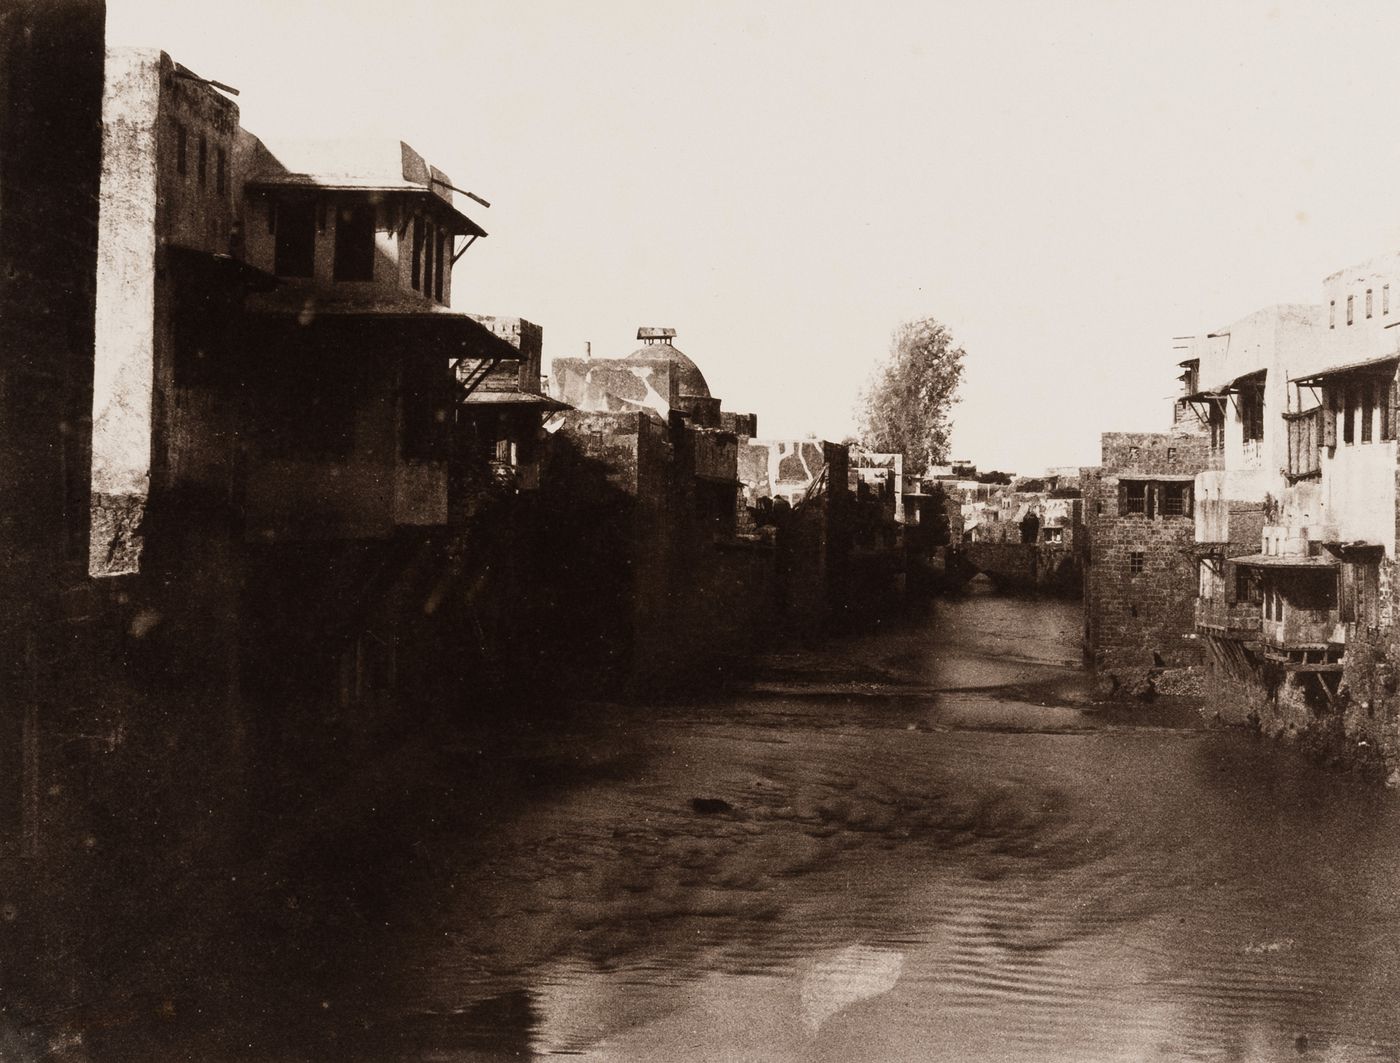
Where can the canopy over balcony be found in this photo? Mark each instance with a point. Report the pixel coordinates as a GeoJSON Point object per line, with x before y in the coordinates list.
{"type": "Point", "coordinates": [1373, 367]}
{"type": "Point", "coordinates": [1303, 561]}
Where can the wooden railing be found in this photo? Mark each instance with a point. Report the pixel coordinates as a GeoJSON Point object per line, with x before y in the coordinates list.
{"type": "Point", "coordinates": [1300, 627]}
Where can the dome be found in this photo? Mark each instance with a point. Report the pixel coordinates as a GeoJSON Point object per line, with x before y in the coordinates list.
{"type": "Point", "coordinates": [691, 381]}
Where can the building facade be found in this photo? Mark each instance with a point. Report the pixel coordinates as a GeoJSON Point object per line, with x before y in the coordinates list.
{"type": "Point", "coordinates": [1139, 575]}
{"type": "Point", "coordinates": [1295, 603]}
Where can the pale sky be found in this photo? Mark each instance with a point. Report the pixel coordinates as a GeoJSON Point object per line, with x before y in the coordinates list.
{"type": "Point", "coordinates": [1065, 185]}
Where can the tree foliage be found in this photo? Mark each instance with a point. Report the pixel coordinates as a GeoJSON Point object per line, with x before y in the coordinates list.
{"type": "Point", "coordinates": [906, 407]}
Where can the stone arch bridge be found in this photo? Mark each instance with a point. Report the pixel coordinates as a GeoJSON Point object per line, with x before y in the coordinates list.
{"type": "Point", "coordinates": [1052, 568]}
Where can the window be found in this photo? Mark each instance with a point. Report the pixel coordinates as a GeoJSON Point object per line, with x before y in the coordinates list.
{"type": "Point", "coordinates": [1351, 312]}
{"type": "Point", "coordinates": [1135, 497]}
{"type": "Point", "coordinates": [294, 253]}
{"type": "Point", "coordinates": [1252, 412]}
{"type": "Point", "coordinates": [1332, 314]}
{"type": "Point", "coordinates": [417, 253]}
{"type": "Point", "coordinates": [1137, 561]}
{"type": "Point", "coordinates": [1367, 409]}
{"type": "Point", "coordinates": [1246, 585]}
{"type": "Point", "coordinates": [1217, 425]}
{"type": "Point", "coordinates": [1364, 580]}
{"type": "Point", "coordinates": [1174, 500]}
{"type": "Point", "coordinates": [438, 276]}
{"type": "Point", "coordinates": [203, 171]}
{"type": "Point", "coordinates": [428, 398]}
{"type": "Point", "coordinates": [1387, 429]}
{"type": "Point", "coordinates": [354, 242]}
{"type": "Point", "coordinates": [221, 172]}
{"type": "Point", "coordinates": [182, 137]}
{"type": "Point", "coordinates": [429, 238]}
{"type": "Point", "coordinates": [1348, 415]}
{"type": "Point", "coordinates": [1368, 303]}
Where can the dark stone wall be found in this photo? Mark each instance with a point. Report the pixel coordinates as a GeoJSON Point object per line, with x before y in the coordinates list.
{"type": "Point", "coordinates": [51, 54]}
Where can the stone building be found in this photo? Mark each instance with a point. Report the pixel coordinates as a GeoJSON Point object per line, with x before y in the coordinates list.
{"type": "Point", "coordinates": [1139, 573]}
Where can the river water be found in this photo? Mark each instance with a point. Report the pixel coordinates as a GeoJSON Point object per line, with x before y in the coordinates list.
{"type": "Point", "coordinates": [923, 844]}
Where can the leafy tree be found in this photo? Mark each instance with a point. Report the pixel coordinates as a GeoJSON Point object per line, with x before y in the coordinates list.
{"type": "Point", "coordinates": [995, 476]}
{"type": "Point", "coordinates": [942, 532]}
{"type": "Point", "coordinates": [905, 409]}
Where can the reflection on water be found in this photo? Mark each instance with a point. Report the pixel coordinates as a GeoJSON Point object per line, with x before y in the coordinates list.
{"type": "Point", "coordinates": [845, 977]}
{"type": "Point", "coordinates": [931, 846]}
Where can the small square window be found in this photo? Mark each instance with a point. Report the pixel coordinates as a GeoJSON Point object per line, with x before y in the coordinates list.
{"type": "Point", "coordinates": [1171, 453]}
{"type": "Point", "coordinates": [1137, 560]}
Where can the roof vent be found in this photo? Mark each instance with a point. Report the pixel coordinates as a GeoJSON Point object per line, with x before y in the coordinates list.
{"type": "Point", "coordinates": [651, 336]}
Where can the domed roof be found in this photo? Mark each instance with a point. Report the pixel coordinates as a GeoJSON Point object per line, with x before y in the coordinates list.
{"type": "Point", "coordinates": [692, 383]}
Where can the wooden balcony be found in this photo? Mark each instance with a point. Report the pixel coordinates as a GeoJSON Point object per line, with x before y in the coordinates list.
{"type": "Point", "coordinates": [1300, 629]}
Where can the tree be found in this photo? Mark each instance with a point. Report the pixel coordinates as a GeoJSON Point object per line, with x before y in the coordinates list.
{"type": "Point", "coordinates": [905, 409]}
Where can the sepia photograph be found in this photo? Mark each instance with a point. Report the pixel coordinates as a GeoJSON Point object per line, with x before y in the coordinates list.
{"type": "Point", "coordinates": [733, 531]}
